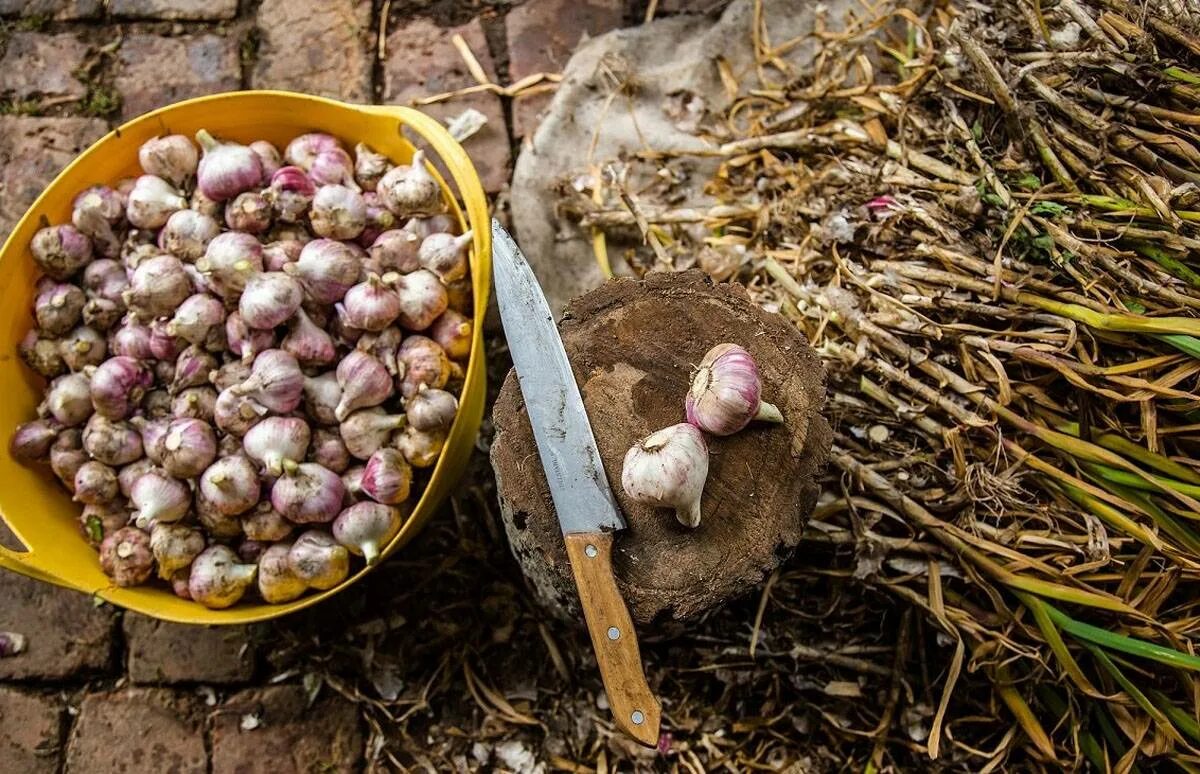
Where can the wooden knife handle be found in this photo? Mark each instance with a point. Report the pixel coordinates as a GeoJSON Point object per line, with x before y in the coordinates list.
{"type": "Point", "coordinates": [634, 707]}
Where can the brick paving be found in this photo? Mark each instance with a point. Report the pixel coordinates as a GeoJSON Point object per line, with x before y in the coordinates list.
{"type": "Point", "coordinates": [98, 690]}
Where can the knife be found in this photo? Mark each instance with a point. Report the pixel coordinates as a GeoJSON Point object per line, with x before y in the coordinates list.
{"type": "Point", "coordinates": [587, 512]}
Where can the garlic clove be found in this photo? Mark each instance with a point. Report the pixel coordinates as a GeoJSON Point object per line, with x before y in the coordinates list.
{"type": "Point", "coordinates": [725, 394]}
{"type": "Point", "coordinates": [217, 579]}
{"type": "Point", "coordinates": [365, 529]}
{"type": "Point", "coordinates": [668, 469]}
{"type": "Point", "coordinates": [319, 560]}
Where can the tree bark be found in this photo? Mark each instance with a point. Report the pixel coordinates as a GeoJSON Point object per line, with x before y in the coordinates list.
{"type": "Point", "coordinates": [633, 346]}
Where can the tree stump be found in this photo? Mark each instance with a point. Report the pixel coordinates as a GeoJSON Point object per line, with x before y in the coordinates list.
{"type": "Point", "coordinates": [633, 346]}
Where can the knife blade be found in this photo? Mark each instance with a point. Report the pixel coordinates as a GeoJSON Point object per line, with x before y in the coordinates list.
{"type": "Point", "coordinates": [587, 511]}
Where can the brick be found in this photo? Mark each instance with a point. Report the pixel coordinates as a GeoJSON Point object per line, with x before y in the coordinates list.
{"type": "Point", "coordinates": [542, 34]}
{"type": "Point", "coordinates": [56, 9]}
{"type": "Point", "coordinates": [44, 65]}
{"type": "Point", "coordinates": [30, 732]}
{"type": "Point", "coordinates": [154, 71]}
{"type": "Point", "coordinates": [316, 46]}
{"type": "Point", "coordinates": [422, 61]}
{"type": "Point", "coordinates": [32, 152]}
{"type": "Point", "coordinates": [291, 737]}
{"type": "Point", "coordinates": [162, 652]}
{"type": "Point", "coordinates": [157, 730]}
{"type": "Point", "coordinates": [65, 633]}
{"type": "Point", "coordinates": [173, 9]}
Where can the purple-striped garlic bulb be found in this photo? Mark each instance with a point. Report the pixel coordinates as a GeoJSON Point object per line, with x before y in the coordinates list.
{"type": "Point", "coordinates": [726, 392]}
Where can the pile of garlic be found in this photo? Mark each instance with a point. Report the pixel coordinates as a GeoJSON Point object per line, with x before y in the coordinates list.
{"type": "Point", "coordinates": [247, 355]}
{"type": "Point", "coordinates": [668, 468]}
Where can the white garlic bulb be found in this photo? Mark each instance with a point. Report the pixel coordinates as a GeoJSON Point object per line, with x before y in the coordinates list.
{"type": "Point", "coordinates": [668, 469]}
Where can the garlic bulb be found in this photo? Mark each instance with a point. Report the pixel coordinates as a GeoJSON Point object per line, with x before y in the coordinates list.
{"type": "Point", "coordinates": [338, 212]}
{"type": "Point", "coordinates": [366, 430]}
{"type": "Point", "coordinates": [371, 305]}
{"type": "Point", "coordinates": [422, 299]}
{"type": "Point", "coordinates": [452, 331]}
{"type": "Point", "coordinates": [152, 201]}
{"type": "Point", "coordinates": [421, 447]}
{"type": "Point", "coordinates": [113, 443]}
{"type": "Point", "coordinates": [217, 579]}
{"type": "Point", "coordinates": [197, 318]}
{"type": "Point", "coordinates": [187, 234]}
{"type": "Point", "coordinates": [174, 547]}
{"type": "Point", "coordinates": [32, 440]}
{"type": "Point", "coordinates": [188, 448]}
{"type": "Point", "coordinates": [387, 477]}
{"type": "Point", "coordinates": [446, 255]}
{"type": "Point", "coordinates": [364, 382]}
{"type": "Point", "coordinates": [277, 441]}
{"type": "Point", "coordinates": [308, 493]}
{"type": "Point", "coordinates": [369, 167]}
{"type": "Point", "coordinates": [277, 582]}
{"type": "Point", "coordinates": [229, 260]}
{"type": "Point", "coordinates": [266, 524]}
{"type": "Point", "coordinates": [80, 348]}
{"type": "Point", "coordinates": [726, 392]}
{"type": "Point", "coordinates": [158, 286]}
{"type": "Point", "coordinates": [327, 268]}
{"type": "Point", "coordinates": [410, 189]}
{"type": "Point", "coordinates": [328, 450]}
{"type": "Point", "coordinates": [226, 168]}
{"type": "Point", "coordinates": [58, 306]}
{"type": "Point", "coordinates": [173, 158]}
{"type": "Point", "coordinates": [69, 400]}
{"type": "Point", "coordinates": [158, 497]}
{"type": "Point", "coordinates": [42, 354]}
{"type": "Point", "coordinates": [668, 469]}
{"type": "Point", "coordinates": [396, 250]}
{"type": "Point", "coordinates": [66, 456]}
{"type": "Point", "coordinates": [318, 560]}
{"type": "Point", "coordinates": [424, 363]}
{"type": "Point", "coordinates": [275, 381]}
{"type": "Point", "coordinates": [249, 212]}
{"type": "Point", "coordinates": [309, 344]}
{"type": "Point", "coordinates": [431, 409]}
{"type": "Point", "coordinates": [231, 485]}
{"type": "Point", "coordinates": [125, 557]}
{"type": "Point", "coordinates": [60, 251]}
{"type": "Point", "coordinates": [270, 299]}
{"type": "Point", "coordinates": [95, 484]}
{"type": "Point", "coordinates": [366, 528]}
{"type": "Point", "coordinates": [95, 212]}
{"type": "Point", "coordinates": [268, 156]}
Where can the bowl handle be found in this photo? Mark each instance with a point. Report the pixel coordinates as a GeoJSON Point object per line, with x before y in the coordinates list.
{"type": "Point", "coordinates": [26, 563]}
{"type": "Point", "coordinates": [461, 169]}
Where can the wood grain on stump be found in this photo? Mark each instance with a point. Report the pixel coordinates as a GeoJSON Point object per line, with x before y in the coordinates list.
{"type": "Point", "coordinates": [633, 346]}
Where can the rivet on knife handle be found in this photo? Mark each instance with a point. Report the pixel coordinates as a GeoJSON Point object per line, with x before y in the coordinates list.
{"type": "Point", "coordinates": [614, 640]}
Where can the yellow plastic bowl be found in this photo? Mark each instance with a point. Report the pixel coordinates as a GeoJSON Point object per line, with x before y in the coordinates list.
{"type": "Point", "coordinates": [33, 504]}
